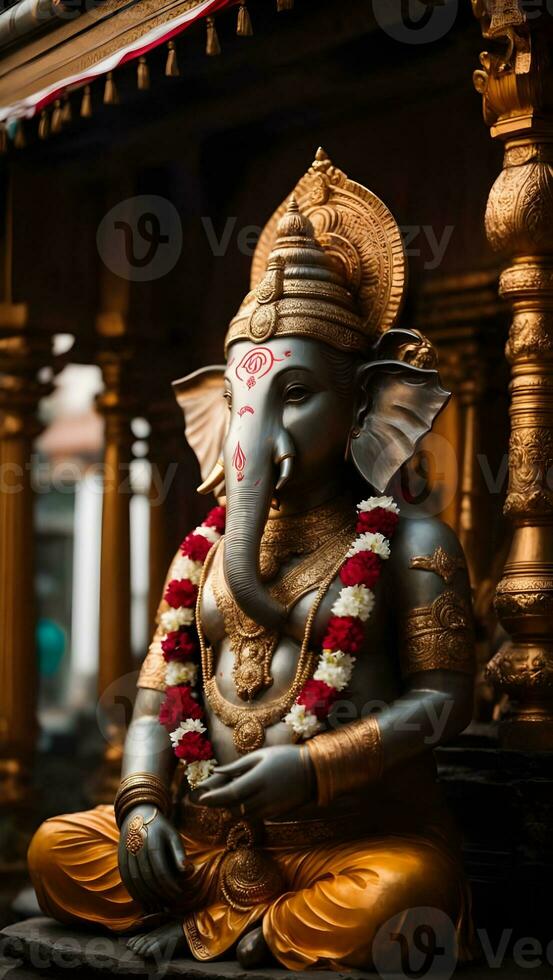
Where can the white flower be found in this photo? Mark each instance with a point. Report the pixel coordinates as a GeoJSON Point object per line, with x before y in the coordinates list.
{"type": "Point", "coordinates": [386, 503]}
{"type": "Point", "coordinates": [335, 669]}
{"type": "Point", "coordinates": [177, 673]}
{"type": "Point", "coordinates": [172, 619]}
{"type": "Point", "coordinates": [354, 600]}
{"type": "Point", "coordinates": [197, 772]}
{"type": "Point", "coordinates": [208, 532]}
{"type": "Point", "coordinates": [303, 722]}
{"type": "Point", "coordinates": [371, 541]}
{"type": "Point", "coordinates": [190, 725]}
{"type": "Point", "coordinates": [184, 567]}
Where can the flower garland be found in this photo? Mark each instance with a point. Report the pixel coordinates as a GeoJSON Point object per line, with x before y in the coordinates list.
{"type": "Point", "coordinates": [376, 522]}
{"type": "Point", "coordinates": [182, 714]}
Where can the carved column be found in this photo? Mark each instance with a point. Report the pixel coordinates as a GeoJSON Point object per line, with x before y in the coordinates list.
{"type": "Point", "coordinates": [470, 498]}
{"type": "Point", "coordinates": [516, 87]}
{"type": "Point", "coordinates": [22, 354]}
{"type": "Point", "coordinates": [166, 434]}
{"type": "Point", "coordinates": [117, 405]}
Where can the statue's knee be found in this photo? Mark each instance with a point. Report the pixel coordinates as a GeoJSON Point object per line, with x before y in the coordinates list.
{"type": "Point", "coordinates": [41, 853]}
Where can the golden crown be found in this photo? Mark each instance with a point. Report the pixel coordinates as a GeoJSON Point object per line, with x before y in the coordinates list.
{"type": "Point", "coordinates": [329, 264]}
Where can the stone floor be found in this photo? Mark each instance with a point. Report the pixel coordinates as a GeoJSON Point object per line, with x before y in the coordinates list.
{"type": "Point", "coordinates": [40, 949]}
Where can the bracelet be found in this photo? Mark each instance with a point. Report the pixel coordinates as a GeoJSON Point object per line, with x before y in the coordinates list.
{"type": "Point", "coordinates": [141, 787]}
{"type": "Point", "coordinates": [346, 758]}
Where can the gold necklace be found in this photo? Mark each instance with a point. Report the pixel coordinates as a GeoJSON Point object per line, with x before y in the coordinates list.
{"type": "Point", "coordinates": [249, 723]}
{"type": "Point", "coordinates": [300, 534]}
{"type": "Point", "coordinates": [253, 645]}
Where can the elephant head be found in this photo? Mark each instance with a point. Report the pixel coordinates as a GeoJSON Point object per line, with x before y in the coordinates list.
{"type": "Point", "coordinates": [312, 399]}
{"type": "Point", "coordinates": [293, 415]}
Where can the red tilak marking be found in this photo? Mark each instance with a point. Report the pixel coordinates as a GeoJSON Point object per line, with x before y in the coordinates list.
{"type": "Point", "coordinates": [239, 462]}
{"type": "Point", "coordinates": [256, 363]}
{"type": "Point", "coordinates": [245, 408]}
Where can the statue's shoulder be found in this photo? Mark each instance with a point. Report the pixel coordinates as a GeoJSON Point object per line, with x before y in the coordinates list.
{"type": "Point", "coordinates": [422, 535]}
{"type": "Point", "coordinates": [426, 544]}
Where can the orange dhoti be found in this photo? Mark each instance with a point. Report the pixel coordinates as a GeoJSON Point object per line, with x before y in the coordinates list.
{"type": "Point", "coordinates": [335, 896]}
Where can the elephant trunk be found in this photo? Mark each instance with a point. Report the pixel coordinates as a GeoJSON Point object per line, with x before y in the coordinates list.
{"type": "Point", "coordinates": [248, 505]}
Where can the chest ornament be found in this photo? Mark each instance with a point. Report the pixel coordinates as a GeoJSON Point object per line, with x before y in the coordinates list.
{"type": "Point", "coordinates": [320, 675]}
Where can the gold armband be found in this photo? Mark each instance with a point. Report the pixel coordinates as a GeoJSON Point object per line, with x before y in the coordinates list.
{"type": "Point", "coordinates": [346, 758]}
{"type": "Point", "coordinates": [153, 669]}
{"type": "Point", "coordinates": [438, 636]}
{"type": "Point", "coordinates": [141, 787]}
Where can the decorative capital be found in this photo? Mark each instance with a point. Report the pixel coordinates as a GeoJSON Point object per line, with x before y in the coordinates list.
{"type": "Point", "coordinates": [513, 78]}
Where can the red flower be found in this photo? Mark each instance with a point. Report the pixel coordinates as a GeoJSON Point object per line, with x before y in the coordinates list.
{"type": "Point", "coordinates": [179, 645]}
{"type": "Point", "coordinates": [194, 747]}
{"type": "Point", "coordinates": [177, 705]}
{"type": "Point", "coordinates": [318, 697]}
{"type": "Point", "coordinates": [181, 592]}
{"type": "Point", "coordinates": [216, 518]}
{"type": "Point", "coordinates": [361, 569]}
{"type": "Point", "coordinates": [344, 633]}
{"type": "Point", "coordinates": [195, 547]}
{"type": "Point", "coordinates": [378, 519]}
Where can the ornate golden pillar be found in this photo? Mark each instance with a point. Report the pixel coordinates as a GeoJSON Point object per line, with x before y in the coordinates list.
{"type": "Point", "coordinates": [22, 354]}
{"type": "Point", "coordinates": [166, 428]}
{"type": "Point", "coordinates": [515, 82]}
{"type": "Point", "coordinates": [117, 405]}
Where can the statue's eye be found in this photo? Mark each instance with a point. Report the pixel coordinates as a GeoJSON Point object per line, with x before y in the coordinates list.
{"type": "Point", "coordinates": [228, 398]}
{"type": "Point", "coordinates": [296, 393]}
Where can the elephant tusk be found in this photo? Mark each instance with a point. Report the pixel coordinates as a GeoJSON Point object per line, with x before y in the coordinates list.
{"type": "Point", "coordinates": [216, 477]}
{"type": "Point", "coordinates": [286, 466]}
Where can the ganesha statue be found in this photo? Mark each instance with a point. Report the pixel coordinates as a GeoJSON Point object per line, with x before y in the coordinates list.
{"type": "Point", "coordinates": [278, 800]}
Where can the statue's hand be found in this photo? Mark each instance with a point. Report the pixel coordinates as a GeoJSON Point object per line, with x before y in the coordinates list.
{"type": "Point", "coordinates": [153, 876]}
{"type": "Point", "coordinates": [264, 783]}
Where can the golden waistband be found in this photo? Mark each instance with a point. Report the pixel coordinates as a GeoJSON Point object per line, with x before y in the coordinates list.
{"type": "Point", "coordinates": [213, 826]}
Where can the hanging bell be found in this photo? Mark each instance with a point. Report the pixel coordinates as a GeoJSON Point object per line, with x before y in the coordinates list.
{"type": "Point", "coordinates": [57, 122]}
{"type": "Point", "coordinates": [43, 125]}
{"type": "Point", "coordinates": [66, 113]}
{"type": "Point", "coordinates": [19, 138]}
{"type": "Point", "coordinates": [86, 104]}
{"type": "Point", "coordinates": [212, 45]}
{"type": "Point", "coordinates": [110, 91]}
{"type": "Point", "coordinates": [244, 26]}
{"type": "Point", "coordinates": [172, 65]}
{"type": "Point", "coordinates": [143, 75]}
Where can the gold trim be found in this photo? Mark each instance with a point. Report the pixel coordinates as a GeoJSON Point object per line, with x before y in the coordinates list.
{"type": "Point", "coordinates": [346, 758]}
{"type": "Point", "coordinates": [85, 43]}
{"type": "Point", "coordinates": [442, 564]}
{"type": "Point", "coordinates": [438, 637]}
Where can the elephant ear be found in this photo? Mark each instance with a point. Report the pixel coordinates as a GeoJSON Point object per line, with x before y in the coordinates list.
{"type": "Point", "coordinates": [400, 396]}
{"type": "Point", "coordinates": [200, 395]}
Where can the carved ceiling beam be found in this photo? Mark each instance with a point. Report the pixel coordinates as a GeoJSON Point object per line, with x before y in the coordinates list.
{"type": "Point", "coordinates": [515, 82]}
